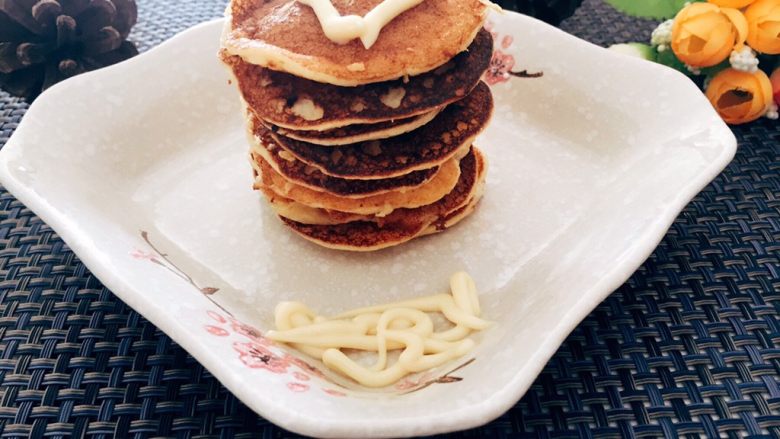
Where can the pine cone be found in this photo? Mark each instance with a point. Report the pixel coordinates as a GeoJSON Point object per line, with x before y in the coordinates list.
{"type": "Point", "coordinates": [551, 11]}
{"type": "Point", "coordinates": [45, 41]}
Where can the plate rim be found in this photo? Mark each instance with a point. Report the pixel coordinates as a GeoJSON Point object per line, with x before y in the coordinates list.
{"type": "Point", "coordinates": [289, 418]}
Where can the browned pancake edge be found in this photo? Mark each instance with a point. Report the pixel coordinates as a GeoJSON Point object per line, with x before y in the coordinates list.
{"type": "Point", "coordinates": [448, 135]}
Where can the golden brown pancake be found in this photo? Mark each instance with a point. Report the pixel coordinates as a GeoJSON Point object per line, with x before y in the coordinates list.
{"type": "Point", "coordinates": [451, 218]}
{"type": "Point", "coordinates": [358, 132]}
{"type": "Point", "coordinates": [451, 132]}
{"type": "Point", "coordinates": [361, 236]}
{"type": "Point", "coordinates": [294, 170]}
{"type": "Point", "coordinates": [301, 213]}
{"type": "Point", "coordinates": [403, 224]}
{"type": "Point", "coordinates": [296, 103]}
{"type": "Point", "coordinates": [380, 205]}
{"type": "Point", "coordinates": [296, 211]}
{"type": "Point", "coordinates": [286, 35]}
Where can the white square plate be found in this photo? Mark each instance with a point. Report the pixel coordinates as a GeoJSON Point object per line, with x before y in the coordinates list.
{"type": "Point", "coordinates": [590, 164]}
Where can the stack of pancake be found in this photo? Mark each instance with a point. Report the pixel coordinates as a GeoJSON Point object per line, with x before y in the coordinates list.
{"type": "Point", "coordinates": [356, 148]}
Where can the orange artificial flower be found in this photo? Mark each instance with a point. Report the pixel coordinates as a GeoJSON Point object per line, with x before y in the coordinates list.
{"type": "Point", "coordinates": [704, 34]}
{"type": "Point", "coordinates": [740, 97]}
{"type": "Point", "coordinates": [775, 80]}
{"type": "Point", "coordinates": [732, 3]}
{"type": "Point", "coordinates": [763, 19]}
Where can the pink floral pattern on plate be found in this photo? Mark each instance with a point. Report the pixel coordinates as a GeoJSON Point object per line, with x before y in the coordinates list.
{"type": "Point", "coordinates": [298, 387]}
{"type": "Point", "coordinates": [502, 63]}
{"type": "Point", "coordinates": [216, 330]}
{"type": "Point", "coordinates": [425, 379]}
{"type": "Point", "coordinates": [257, 356]}
{"type": "Point", "coordinates": [333, 392]}
{"type": "Point", "coordinates": [248, 331]}
{"type": "Point", "coordinates": [258, 352]}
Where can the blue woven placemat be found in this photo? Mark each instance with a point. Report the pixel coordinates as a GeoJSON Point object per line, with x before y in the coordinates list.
{"type": "Point", "coordinates": [689, 346]}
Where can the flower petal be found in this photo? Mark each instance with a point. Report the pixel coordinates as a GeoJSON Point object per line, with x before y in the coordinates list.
{"type": "Point", "coordinates": [740, 23]}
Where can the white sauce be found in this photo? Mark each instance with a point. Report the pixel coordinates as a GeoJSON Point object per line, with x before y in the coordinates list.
{"type": "Point", "coordinates": [401, 326]}
{"type": "Point", "coordinates": [343, 29]}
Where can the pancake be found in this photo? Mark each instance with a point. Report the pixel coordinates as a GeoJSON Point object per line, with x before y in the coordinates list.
{"type": "Point", "coordinates": [451, 132]}
{"type": "Point", "coordinates": [263, 145]}
{"type": "Point", "coordinates": [301, 213]}
{"type": "Point", "coordinates": [359, 132]}
{"type": "Point", "coordinates": [294, 211]}
{"type": "Point", "coordinates": [363, 236]}
{"type": "Point", "coordinates": [403, 224]}
{"type": "Point", "coordinates": [450, 219]}
{"type": "Point", "coordinates": [296, 103]}
{"type": "Point", "coordinates": [286, 35]}
{"type": "Point", "coordinates": [290, 209]}
{"type": "Point", "coordinates": [380, 205]}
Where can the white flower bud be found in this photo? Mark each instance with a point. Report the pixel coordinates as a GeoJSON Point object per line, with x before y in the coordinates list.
{"type": "Point", "coordinates": [662, 35]}
{"type": "Point", "coordinates": [693, 70]}
{"type": "Point", "coordinates": [771, 112]}
{"type": "Point", "coordinates": [744, 60]}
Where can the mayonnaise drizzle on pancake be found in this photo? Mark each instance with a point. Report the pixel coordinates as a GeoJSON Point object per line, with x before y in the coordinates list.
{"type": "Point", "coordinates": [343, 29]}
{"type": "Point", "coordinates": [404, 326]}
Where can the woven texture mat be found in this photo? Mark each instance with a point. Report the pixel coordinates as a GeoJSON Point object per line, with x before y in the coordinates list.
{"type": "Point", "coordinates": [689, 346]}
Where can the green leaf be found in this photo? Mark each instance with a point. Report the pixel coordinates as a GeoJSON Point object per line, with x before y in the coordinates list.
{"type": "Point", "coordinates": [639, 50]}
{"type": "Point", "coordinates": [714, 70]}
{"type": "Point", "coordinates": [649, 8]}
{"type": "Point", "coordinates": [668, 59]}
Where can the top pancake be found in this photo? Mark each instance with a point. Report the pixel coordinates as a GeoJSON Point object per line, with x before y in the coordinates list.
{"type": "Point", "coordinates": [287, 36]}
{"type": "Point", "coordinates": [291, 102]}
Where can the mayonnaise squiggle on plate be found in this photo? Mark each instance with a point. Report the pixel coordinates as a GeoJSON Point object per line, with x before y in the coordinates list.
{"type": "Point", "coordinates": [403, 326]}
